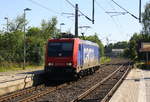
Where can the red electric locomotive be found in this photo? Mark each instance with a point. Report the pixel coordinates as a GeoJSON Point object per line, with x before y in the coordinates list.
{"type": "Point", "coordinates": [68, 57]}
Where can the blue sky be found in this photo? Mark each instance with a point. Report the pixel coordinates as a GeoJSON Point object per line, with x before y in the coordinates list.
{"type": "Point", "coordinates": [116, 28]}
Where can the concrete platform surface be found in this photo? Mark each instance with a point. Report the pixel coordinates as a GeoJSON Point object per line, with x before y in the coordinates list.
{"type": "Point", "coordinates": [135, 88]}
{"type": "Point", "coordinates": [14, 75]}
{"type": "Point", "coordinates": [16, 80]}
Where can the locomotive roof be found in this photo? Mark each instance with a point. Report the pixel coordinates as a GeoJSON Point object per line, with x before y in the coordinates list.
{"type": "Point", "coordinates": [81, 41]}
{"type": "Point", "coordinates": [62, 39]}
{"type": "Point", "coordinates": [89, 43]}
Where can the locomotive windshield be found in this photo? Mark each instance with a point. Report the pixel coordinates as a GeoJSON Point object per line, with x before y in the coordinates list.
{"type": "Point", "coordinates": [60, 49]}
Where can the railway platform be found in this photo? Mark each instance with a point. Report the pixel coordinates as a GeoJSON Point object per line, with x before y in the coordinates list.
{"type": "Point", "coordinates": [135, 88]}
{"type": "Point", "coordinates": [15, 80]}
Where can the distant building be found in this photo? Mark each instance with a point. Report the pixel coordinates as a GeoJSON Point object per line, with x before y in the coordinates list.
{"type": "Point", "coordinates": [145, 48]}
{"type": "Point", "coordinates": [117, 52]}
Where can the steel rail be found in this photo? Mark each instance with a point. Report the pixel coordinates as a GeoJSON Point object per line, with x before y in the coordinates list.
{"type": "Point", "coordinates": [19, 93]}
{"type": "Point", "coordinates": [94, 87]}
{"type": "Point", "coordinates": [42, 93]}
{"type": "Point", "coordinates": [110, 93]}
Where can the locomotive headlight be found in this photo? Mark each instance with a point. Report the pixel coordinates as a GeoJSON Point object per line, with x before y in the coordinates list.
{"type": "Point", "coordinates": [50, 64]}
{"type": "Point", "coordinates": [69, 64]}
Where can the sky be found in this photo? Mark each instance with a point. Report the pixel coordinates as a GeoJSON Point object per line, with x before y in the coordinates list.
{"type": "Point", "coordinates": [110, 29]}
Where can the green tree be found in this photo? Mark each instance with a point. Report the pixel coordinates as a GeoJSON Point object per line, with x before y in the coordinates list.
{"type": "Point", "coordinates": [120, 45]}
{"type": "Point", "coordinates": [95, 38]}
{"type": "Point", "coordinates": [35, 50]}
{"type": "Point", "coordinates": [48, 28]}
{"type": "Point", "coordinates": [135, 45]}
{"type": "Point", "coordinates": [34, 32]}
{"type": "Point", "coordinates": [11, 46]}
{"type": "Point", "coordinates": [108, 48]}
{"type": "Point", "coordinates": [17, 24]}
{"type": "Point", "coordinates": [12, 42]}
{"type": "Point", "coordinates": [37, 38]}
{"type": "Point", "coordinates": [146, 19]}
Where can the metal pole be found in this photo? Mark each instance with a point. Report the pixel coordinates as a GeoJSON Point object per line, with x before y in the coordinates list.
{"type": "Point", "coordinates": [24, 58]}
{"type": "Point", "coordinates": [93, 11]}
{"type": "Point", "coordinates": [76, 20]}
{"type": "Point", "coordinates": [140, 11]}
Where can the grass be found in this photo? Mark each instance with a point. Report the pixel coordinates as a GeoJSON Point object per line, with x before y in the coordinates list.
{"type": "Point", "coordinates": [9, 66]}
{"type": "Point", "coordinates": [142, 65]}
{"type": "Point", "coordinates": [105, 60]}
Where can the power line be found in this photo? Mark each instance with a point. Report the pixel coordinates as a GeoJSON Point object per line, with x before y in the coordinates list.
{"type": "Point", "coordinates": [44, 7]}
{"type": "Point", "coordinates": [123, 13]}
{"type": "Point", "coordinates": [104, 11]}
{"type": "Point", "coordinates": [108, 1]}
{"type": "Point", "coordinates": [79, 10]}
{"type": "Point", "coordinates": [70, 3]}
{"type": "Point", "coordinates": [116, 24]}
{"type": "Point", "coordinates": [100, 6]}
{"type": "Point", "coordinates": [124, 9]}
{"type": "Point", "coordinates": [114, 12]}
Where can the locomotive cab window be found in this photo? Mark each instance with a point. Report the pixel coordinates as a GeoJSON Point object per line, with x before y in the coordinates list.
{"type": "Point", "coordinates": [58, 49]}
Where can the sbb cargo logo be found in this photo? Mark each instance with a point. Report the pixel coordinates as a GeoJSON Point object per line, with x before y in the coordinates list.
{"type": "Point", "coordinates": [88, 55]}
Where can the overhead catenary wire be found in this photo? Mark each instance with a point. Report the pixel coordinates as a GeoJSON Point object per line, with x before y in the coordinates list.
{"type": "Point", "coordinates": [108, 1]}
{"type": "Point", "coordinates": [98, 4]}
{"type": "Point", "coordinates": [114, 12]}
{"type": "Point", "coordinates": [124, 9]}
{"type": "Point", "coordinates": [105, 12]}
{"type": "Point", "coordinates": [116, 24]}
{"type": "Point", "coordinates": [42, 6]}
{"type": "Point", "coordinates": [79, 10]}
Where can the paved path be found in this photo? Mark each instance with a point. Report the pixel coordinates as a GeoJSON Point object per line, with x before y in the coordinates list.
{"type": "Point", "coordinates": [135, 88]}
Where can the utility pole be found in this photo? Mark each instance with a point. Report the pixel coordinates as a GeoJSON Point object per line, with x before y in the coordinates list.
{"type": "Point", "coordinates": [76, 15]}
{"type": "Point", "coordinates": [93, 11]}
{"type": "Point", "coordinates": [140, 11]}
{"type": "Point", "coordinates": [76, 20]}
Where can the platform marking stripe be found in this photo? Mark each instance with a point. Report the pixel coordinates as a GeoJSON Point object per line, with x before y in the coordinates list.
{"type": "Point", "coordinates": [142, 89]}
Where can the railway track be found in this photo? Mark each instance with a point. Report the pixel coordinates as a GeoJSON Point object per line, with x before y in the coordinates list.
{"type": "Point", "coordinates": [72, 90]}
{"type": "Point", "coordinates": [70, 93]}
{"type": "Point", "coordinates": [41, 93]}
{"type": "Point", "coordinates": [24, 95]}
{"type": "Point", "coordinates": [102, 91]}
{"type": "Point", "coordinates": [19, 93]}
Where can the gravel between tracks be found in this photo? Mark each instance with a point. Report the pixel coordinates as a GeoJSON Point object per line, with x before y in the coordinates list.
{"type": "Point", "coordinates": [100, 92]}
{"type": "Point", "coordinates": [72, 91]}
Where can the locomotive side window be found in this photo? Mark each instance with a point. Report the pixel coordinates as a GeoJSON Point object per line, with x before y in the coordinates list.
{"type": "Point", "coordinates": [58, 49]}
